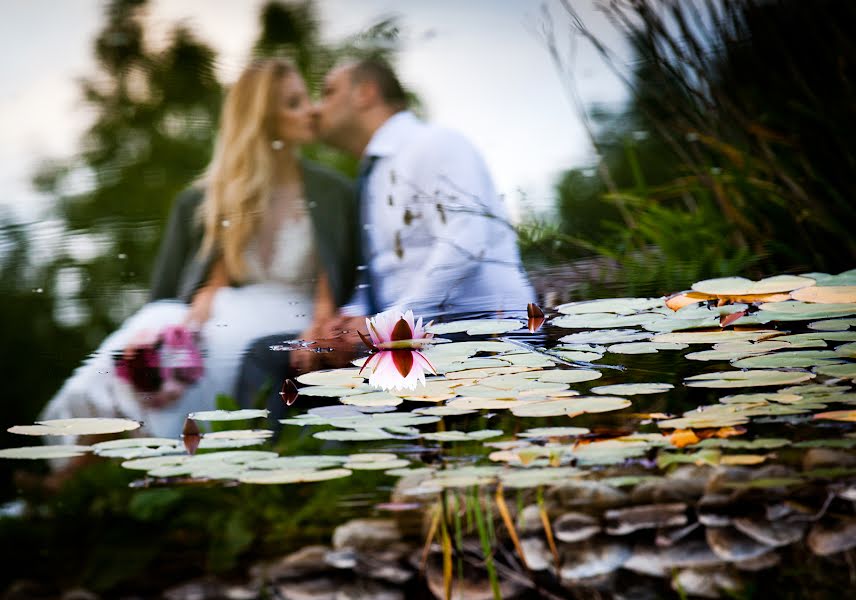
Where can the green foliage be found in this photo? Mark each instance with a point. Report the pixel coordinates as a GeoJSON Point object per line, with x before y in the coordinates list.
{"type": "Point", "coordinates": [734, 154]}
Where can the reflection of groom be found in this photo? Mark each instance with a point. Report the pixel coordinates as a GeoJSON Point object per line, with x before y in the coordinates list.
{"type": "Point", "coordinates": [435, 234]}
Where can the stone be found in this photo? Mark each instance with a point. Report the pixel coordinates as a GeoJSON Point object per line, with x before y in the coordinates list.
{"type": "Point", "coordinates": [731, 545]}
{"type": "Point", "coordinates": [529, 520]}
{"type": "Point", "coordinates": [474, 585]}
{"type": "Point", "coordinates": [622, 521]}
{"type": "Point", "coordinates": [765, 561]}
{"type": "Point", "coordinates": [302, 563]}
{"type": "Point", "coordinates": [575, 527]}
{"type": "Point", "coordinates": [685, 484]}
{"type": "Point", "coordinates": [366, 534]}
{"type": "Point", "coordinates": [538, 556]}
{"type": "Point", "coordinates": [706, 583]}
{"type": "Point", "coordinates": [589, 494]}
{"type": "Point", "coordinates": [771, 533]}
{"type": "Point", "coordinates": [831, 537]}
{"type": "Point", "coordinates": [592, 558]}
{"type": "Point", "coordinates": [659, 562]}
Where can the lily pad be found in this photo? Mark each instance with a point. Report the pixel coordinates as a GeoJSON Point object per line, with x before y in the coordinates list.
{"type": "Point", "coordinates": [791, 359]}
{"type": "Point", "coordinates": [229, 415]}
{"type": "Point", "coordinates": [336, 391]}
{"type": "Point", "coordinates": [462, 436]}
{"type": "Point", "coordinates": [476, 326]}
{"type": "Point", "coordinates": [644, 347]}
{"type": "Point", "coordinates": [44, 452]}
{"type": "Point", "coordinates": [538, 432]}
{"type": "Point", "coordinates": [832, 324]}
{"type": "Point", "coordinates": [845, 371]}
{"type": "Point", "coordinates": [826, 294]}
{"type": "Point", "coordinates": [838, 415]}
{"type": "Point", "coordinates": [602, 320]}
{"type": "Point", "coordinates": [355, 435]}
{"type": "Point", "coordinates": [372, 399]}
{"type": "Point", "coordinates": [570, 406]}
{"type": "Point", "coordinates": [803, 311]}
{"type": "Point", "coordinates": [292, 476]}
{"type": "Point", "coordinates": [576, 355]}
{"type": "Point", "coordinates": [532, 478]}
{"type": "Point", "coordinates": [333, 377]}
{"type": "Point", "coordinates": [76, 426]}
{"type": "Point", "coordinates": [621, 306]}
{"type": "Point", "coordinates": [633, 389]}
{"type": "Point", "coordinates": [444, 411]}
{"type": "Point", "coordinates": [716, 336]}
{"type": "Point", "coordinates": [754, 378]}
{"type": "Point", "coordinates": [569, 375]}
{"type": "Point", "coordinates": [605, 336]}
{"type": "Point", "coordinates": [739, 286]}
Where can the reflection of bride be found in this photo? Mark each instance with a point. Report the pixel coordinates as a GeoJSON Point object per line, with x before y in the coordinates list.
{"type": "Point", "coordinates": [265, 247]}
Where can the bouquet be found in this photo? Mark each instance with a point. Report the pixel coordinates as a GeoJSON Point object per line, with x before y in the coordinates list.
{"type": "Point", "coordinates": [163, 364]}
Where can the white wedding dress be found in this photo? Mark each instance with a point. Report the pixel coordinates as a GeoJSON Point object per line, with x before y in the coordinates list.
{"type": "Point", "coordinates": [278, 298]}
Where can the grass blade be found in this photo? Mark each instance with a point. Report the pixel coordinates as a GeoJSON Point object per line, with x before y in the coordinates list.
{"type": "Point", "coordinates": [509, 523]}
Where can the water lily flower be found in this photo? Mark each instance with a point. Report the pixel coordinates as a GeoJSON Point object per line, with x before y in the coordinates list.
{"type": "Point", "coordinates": [395, 361]}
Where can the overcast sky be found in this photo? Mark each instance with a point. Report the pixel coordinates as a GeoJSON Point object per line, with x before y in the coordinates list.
{"type": "Point", "coordinates": [480, 66]}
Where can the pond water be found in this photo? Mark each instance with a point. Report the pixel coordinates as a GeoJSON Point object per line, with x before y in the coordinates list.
{"type": "Point", "coordinates": [700, 445]}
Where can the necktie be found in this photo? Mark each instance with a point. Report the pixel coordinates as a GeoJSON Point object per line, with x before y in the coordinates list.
{"type": "Point", "coordinates": [366, 166]}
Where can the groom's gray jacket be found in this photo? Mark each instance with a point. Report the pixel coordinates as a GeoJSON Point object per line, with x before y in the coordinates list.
{"type": "Point", "coordinates": [180, 268]}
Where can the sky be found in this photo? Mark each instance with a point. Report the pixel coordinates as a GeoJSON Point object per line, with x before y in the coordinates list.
{"type": "Point", "coordinates": [479, 66]}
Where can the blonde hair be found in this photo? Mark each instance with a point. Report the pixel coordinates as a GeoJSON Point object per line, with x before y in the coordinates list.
{"type": "Point", "coordinates": [239, 179]}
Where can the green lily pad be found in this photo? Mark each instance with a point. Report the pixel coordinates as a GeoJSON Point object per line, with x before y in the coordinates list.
{"type": "Point", "coordinates": [476, 326]}
{"type": "Point", "coordinates": [292, 476]}
{"type": "Point", "coordinates": [377, 465]}
{"type": "Point", "coordinates": [336, 391]}
{"type": "Point", "coordinates": [633, 389]}
{"type": "Point", "coordinates": [527, 359]}
{"type": "Point", "coordinates": [825, 279]}
{"type": "Point", "coordinates": [532, 478]}
{"type": "Point", "coordinates": [845, 371]}
{"type": "Point", "coordinates": [228, 415]}
{"type": "Point", "coordinates": [818, 338]}
{"type": "Point", "coordinates": [755, 378]}
{"type": "Point", "coordinates": [444, 411]}
{"type": "Point", "coordinates": [739, 286]}
{"type": "Point", "coordinates": [142, 442]}
{"type": "Point", "coordinates": [791, 359]}
{"type": "Point", "coordinates": [803, 311]}
{"type": "Point", "coordinates": [715, 336]}
{"type": "Point", "coordinates": [621, 306]}
{"type": "Point", "coordinates": [76, 426]}
{"type": "Point", "coordinates": [609, 452]}
{"type": "Point", "coordinates": [602, 320]}
{"type": "Point", "coordinates": [538, 432]}
{"type": "Point", "coordinates": [570, 406]}
{"type": "Point", "coordinates": [44, 452]}
{"type": "Point", "coordinates": [462, 436]}
{"type": "Point", "coordinates": [644, 347]}
{"type": "Point", "coordinates": [846, 350]}
{"type": "Point", "coordinates": [701, 457]}
{"type": "Point", "coordinates": [605, 336]}
{"type": "Point", "coordinates": [355, 435]}
{"type": "Point", "coordinates": [569, 375]}
{"type": "Point", "coordinates": [372, 399]}
{"type": "Point", "coordinates": [833, 325]}
{"type": "Point", "coordinates": [333, 377]}
{"type": "Point", "coordinates": [577, 356]}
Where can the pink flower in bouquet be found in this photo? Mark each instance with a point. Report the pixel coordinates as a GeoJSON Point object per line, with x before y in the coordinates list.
{"type": "Point", "coordinates": [161, 365]}
{"type": "Point", "coordinates": [395, 361]}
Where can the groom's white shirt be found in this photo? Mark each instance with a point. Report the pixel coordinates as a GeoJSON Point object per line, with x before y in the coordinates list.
{"type": "Point", "coordinates": [438, 235]}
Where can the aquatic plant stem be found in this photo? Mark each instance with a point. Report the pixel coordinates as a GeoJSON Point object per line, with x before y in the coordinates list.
{"type": "Point", "coordinates": [486, 546]}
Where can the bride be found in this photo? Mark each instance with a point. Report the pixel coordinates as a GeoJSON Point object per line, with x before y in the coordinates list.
{"type": "Point", "coordinates": [262, 244]}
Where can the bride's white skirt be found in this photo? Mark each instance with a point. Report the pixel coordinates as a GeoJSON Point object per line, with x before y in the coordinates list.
{"type": "Point", "coordinates": [238, 316]}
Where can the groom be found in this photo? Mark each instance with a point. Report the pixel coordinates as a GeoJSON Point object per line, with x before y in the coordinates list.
{"type": "Point", "coordinates": [435, 234]}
